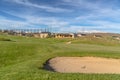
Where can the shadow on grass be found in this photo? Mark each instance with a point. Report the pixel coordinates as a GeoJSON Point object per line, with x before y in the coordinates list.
{"type": "Point", "coordinates": [46, 66]}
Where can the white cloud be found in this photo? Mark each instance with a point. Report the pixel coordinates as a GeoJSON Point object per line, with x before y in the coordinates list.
{"type": "Point", "coordinates": [80, 29]}
{"type": "Point", "coordinates": [31, 21]}
{"type": "Point", "coordinates": [49, 21]}
{"type": "Point", "coordinates": [44, 7]}
{"type": "Point", "coordinates": [86, 4]}
{"type": "Point", "coordinates": [104, 18]}
{"type": "Point", "coordinates": [107, 24]}
{"type": "Point", "coordinates": [5, 23]}
{"type": "Point", "coordinates": [96, 8]}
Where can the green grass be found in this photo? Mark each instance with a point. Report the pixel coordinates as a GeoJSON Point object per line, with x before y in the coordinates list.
{"type": "Point", "coordinates": [23, 58]}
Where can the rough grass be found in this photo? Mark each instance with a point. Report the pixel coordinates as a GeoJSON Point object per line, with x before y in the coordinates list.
{"type": "Point", "coordinates": [24, 58]}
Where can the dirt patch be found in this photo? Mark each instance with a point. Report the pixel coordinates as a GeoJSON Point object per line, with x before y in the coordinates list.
{"type": "Point", "coordinates": [83, 65]}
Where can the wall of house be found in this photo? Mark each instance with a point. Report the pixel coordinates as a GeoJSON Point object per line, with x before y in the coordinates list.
{"type": "Point", "coordinates": [41, 35]}
{"type": "Point", "coordinates": [45, 35]}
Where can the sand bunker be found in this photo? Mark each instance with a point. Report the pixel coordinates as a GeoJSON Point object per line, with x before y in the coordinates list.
{"type": "Point", "coordinates": [83, 65]}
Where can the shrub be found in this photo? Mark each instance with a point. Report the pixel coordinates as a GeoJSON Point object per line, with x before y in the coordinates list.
{"type": "Point", "coordinates": [4, 39]}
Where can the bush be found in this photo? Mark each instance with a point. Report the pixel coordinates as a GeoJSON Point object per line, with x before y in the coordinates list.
{"type": "Point", "coordinates": [4, 39]}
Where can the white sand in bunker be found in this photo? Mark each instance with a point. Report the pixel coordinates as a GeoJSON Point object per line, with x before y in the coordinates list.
{"type": "Point", "coordinates": [85, 65]}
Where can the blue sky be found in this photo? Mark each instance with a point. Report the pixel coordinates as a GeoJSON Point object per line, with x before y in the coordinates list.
{"type": "Point", "coordinates": [61, 15]}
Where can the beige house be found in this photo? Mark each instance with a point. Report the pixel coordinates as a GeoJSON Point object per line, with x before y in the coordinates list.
{"type": "Point", "coordinates": [81, 35]}
{"type": "Point", "coordinates": [64, 35]}
{"type": "Point", "coordinates": [41, 35]}
{"type": "Point", "coordinates": [116, 37]}
{"type": "Point", "coordinates": [97, 36]}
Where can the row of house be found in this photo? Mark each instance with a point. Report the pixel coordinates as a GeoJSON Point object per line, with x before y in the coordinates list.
{"type": "Point", "coordinates": [55, 35]}
{"type": "Point", "coordinates": [40, 35]}
{"type": "Point", "coordinates": [44, 34]}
